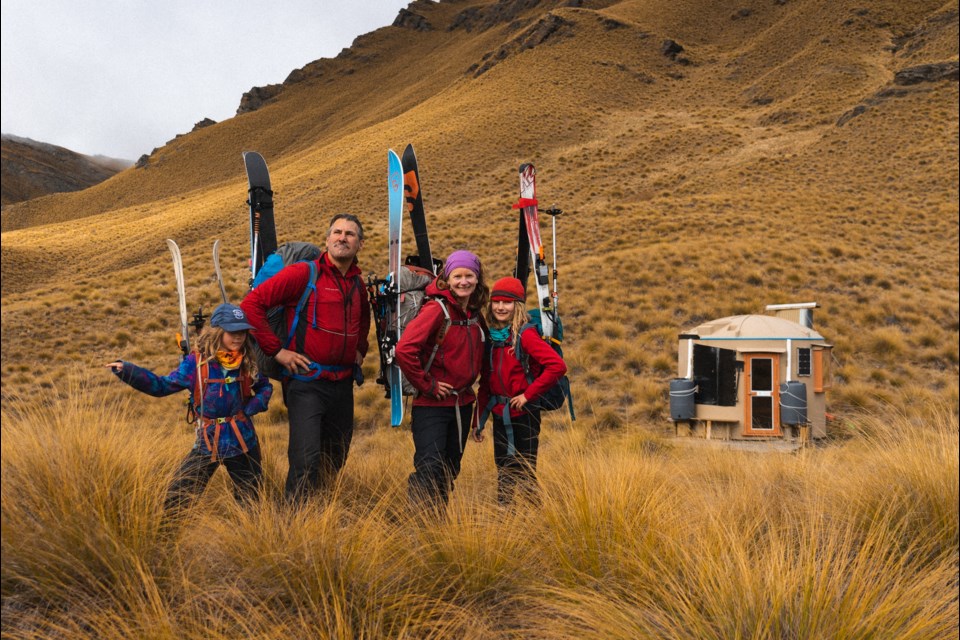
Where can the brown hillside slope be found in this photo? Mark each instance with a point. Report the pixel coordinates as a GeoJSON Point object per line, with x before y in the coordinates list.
{"type": "Point", "coordinates": [31, 169]}
{"type": "Point", "coordinates": [784, 155]}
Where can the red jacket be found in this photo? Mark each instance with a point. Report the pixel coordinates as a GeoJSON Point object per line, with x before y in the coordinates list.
{"type": "Point", "coordinates": [338, 316]}
{"type": "Point", "coordinates": [507, 377]}
{"type": "Point", "coordinates": [458, 360]}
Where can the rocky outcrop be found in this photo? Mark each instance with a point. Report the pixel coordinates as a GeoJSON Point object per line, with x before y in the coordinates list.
{"type": "Point", "coordinates": [671, 48]}
{"type": "Point", "coordinates": [407, 19]}
{"type": "Point", "coordinates": [257, 97]}
{"type": "Point", "coordinates": [905, 81]}
{"type": "Point", "coordinates": [551, 26]}
{"type": "Point", "coordinates": [203, 124]}
{"type": "Point", "coordinates": [503, 12]}
{"type": "Point", "coordinates": [936, 72]}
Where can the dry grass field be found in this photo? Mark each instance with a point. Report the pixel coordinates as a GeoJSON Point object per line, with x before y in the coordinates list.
{"type": "Point", "coordinates": [795, 150]}
{"type": "Point", "coordinates": [635, 538]}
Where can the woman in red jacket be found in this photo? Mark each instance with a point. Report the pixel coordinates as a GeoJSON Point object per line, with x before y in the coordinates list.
{"type": "Point", "coordinates": [509, 394]}
{"type": "Point", "coordinates": [440, 353]}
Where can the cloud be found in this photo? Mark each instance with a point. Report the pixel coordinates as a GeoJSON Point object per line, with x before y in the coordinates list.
{"type": "Point", "coordinates": [120, 78]}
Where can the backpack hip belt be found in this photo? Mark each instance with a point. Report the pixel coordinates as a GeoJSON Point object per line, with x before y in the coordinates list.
{"type": "Point", "coordinates": [316, 370]}
{"type": "Point", "coordinates": [218, 425]}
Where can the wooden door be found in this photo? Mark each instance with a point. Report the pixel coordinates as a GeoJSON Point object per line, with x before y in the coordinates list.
{"type": "Point", "coordinates": [762, 410]}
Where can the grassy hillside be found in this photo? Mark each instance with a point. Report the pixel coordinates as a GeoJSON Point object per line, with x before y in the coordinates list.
{"type": "Point", "coordinates": [793, 150]}
{"type": "Point", "coordinates": [777, 158]}
{"type": "Point", "coordinates": [32, 169]}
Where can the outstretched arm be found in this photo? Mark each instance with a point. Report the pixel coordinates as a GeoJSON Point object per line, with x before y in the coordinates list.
{"type": "Point", "coordinates": [183, 377]}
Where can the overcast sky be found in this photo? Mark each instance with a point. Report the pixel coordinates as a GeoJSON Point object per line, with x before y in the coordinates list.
{"type": "Point", "coordinates": [120, 77]}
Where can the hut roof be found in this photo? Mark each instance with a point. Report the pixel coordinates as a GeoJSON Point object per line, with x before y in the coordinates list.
{"type": "Point", "coordinates": [755, 326]}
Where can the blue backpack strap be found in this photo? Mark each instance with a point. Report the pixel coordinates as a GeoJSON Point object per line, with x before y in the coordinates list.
{"type": "Point", "coordinates": [310, 288]}
{"type": "Point", "coordinates": [494, 401]}
{"type": "Point", "coordinates": [508, 425]}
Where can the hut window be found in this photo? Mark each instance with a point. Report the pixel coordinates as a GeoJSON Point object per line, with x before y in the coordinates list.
{"type": "Point", "coordinates": [803, 361]}
{"type": "Point", "coordinates": [715, 373]}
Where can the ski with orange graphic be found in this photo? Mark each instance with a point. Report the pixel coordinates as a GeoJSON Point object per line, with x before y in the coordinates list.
{"type": "Point", "coordinates": [413, 201]}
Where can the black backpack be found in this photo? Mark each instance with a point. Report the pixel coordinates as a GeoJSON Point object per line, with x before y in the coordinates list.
{"type": "Point", "coordinates": [554, 397]}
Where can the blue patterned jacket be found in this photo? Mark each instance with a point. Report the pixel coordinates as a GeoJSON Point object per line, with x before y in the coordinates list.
{"type": "Point", "coordinates": [221, 400]}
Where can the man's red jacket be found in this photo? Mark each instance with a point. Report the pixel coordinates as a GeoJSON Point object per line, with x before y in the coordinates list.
{"type": "Point", "coordinates": [337, 315]}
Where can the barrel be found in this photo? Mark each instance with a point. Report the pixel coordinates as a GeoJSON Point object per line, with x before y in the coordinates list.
{"type": "Point", "coordinates": [681, 399]}
{"type": "Point", "coordinates": [793, 403]}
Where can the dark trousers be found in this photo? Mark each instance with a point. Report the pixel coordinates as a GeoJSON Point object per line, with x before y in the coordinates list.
{"type": "Point", "coordinates": [321, 428]}
{"type": "Point", "coordinates": [517, 471]}
{"type": "Point", "coordinates": [195, 472]}
{"type": "Point", "coordinates": [439, 446]}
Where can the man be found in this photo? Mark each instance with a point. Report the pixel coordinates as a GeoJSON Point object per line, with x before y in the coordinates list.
{"type": "Point", "coordinates": [334, 327]}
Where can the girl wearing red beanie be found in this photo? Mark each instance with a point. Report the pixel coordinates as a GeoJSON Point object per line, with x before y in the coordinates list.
{"type": "Point", "coordinates": [509, 393]}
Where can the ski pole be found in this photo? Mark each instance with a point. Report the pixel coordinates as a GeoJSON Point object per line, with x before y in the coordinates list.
{"type": "Point", "coordinates": [554, 212]}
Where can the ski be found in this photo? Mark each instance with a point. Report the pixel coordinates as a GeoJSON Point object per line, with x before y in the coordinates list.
{"type": "Point", "coordinates": [183, 335]}
{"type": "Point", "coordinates": [392, 286]}
{"type": "Point", "coordinates": [530, 235]}
{"type": "Point", "coordinates": [263, 230]}
{"type": "Point", "coordinates": [414, 204]}
{"type": "Point", "coordinates": [522, 269]}
{"type": "Point", "coordinates": [216, 269]}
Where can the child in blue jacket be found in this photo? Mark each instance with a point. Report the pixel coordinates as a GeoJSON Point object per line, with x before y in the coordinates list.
{"type": "Point", "coordinates": [228, 390]}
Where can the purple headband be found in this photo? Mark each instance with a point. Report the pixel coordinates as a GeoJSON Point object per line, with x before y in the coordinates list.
{"type": "Point", "coordinates": [461, 259]}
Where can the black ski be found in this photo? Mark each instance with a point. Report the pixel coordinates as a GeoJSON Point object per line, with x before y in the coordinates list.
{"type": "Point", "coordinates": [263, 230]}
{"type": "Point", "coordinates": [413, 199]}
{"type": "Point", "coordinates": [522, 271]}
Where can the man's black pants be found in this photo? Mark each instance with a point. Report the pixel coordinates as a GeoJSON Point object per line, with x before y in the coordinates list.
{"type": "Point", "coordinates": [321, 427]}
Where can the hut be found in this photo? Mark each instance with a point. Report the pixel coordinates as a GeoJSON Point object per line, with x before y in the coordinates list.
{"type": "Point", "coordinates": [753, 377]}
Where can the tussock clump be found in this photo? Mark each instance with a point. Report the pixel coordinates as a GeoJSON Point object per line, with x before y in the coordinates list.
{"type": "Point", "coordinates": [624, 527]}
